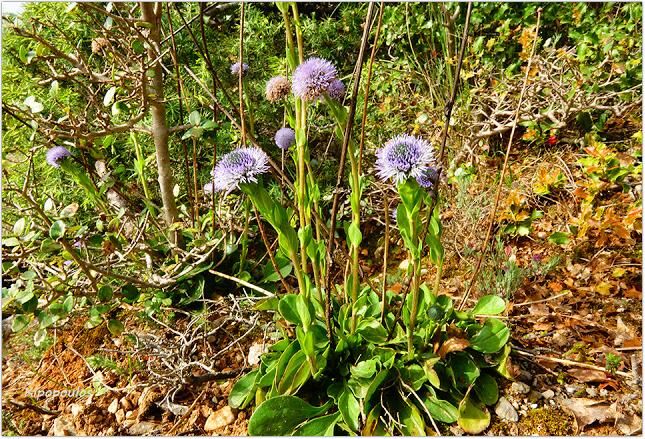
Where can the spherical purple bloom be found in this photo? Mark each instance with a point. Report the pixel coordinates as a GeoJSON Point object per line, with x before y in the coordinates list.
{"type": "Point", "coordinates": [336, 90]}
{"type": "Point", "coordinates": [312, 78]}
{"type": "Point", "coordinates": [403, 157]}
{"type": "Point", "coordinates": [277, 88]}
{"type": "Point", "coordinates": [427, 178]}
{"type": "Point", "coordinates": [235, 68]}
{"type": "Point", "coordinates": [242, 165]}
{"type": "Point", "coordinates": [56, 155]}
{"type": "Point", "coordinates": [285, 137]}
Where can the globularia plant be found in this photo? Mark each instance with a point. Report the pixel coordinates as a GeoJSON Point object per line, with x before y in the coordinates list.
{"type": "Point", "coordinates": [378, 362]}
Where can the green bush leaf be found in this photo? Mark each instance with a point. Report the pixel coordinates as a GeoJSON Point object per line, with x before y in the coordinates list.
{"type": "Point", "coordinates": [57, 230]}
{"type": "Point", "coordinates": [441, 410]}
{"type": "Point", "coordinates": [279, 416]}
{"type": "Point", "coordinates": [19, 322]}
{"type": "Point", "coordinates": [473, 418]}
{"type": "Point", "coordinates": [559, 238]}
{"type": "Point", "coordinates": [115, 327]}
{"type": "Point", "coordinates": [486, 389]}
{"type": "Point", "coordinates": [489, 305]}
{"type": "Point", "coordinates": [322, 426]}
{"type": "Point", "coordinates": [349, 408]}
{"type": "Point", "coordinates": [288, 308]}
{"type": "Point", "coordinates": [243, 391]}
{"type": "Point", "coordinates": [464, 368]}
{"type": "Point", "coordinates": [491, 338]}
{"type": "Point", "coordinates": [105, 293]}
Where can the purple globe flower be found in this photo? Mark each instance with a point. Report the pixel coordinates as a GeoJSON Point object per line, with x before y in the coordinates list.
{"type": "Point", "coordinates": [403, 157]}
{"type": "Point", "coordinates": [312, 78]}
{"type": "Point", "coordinates": [336, 90]}
{"type": "Point", "coordinates": [56, 155]}
{"type": "Point", "coordinates": [235, 68]}
{"type": "Point", "coordinates": [242, 165]}
{"type": "Point", "coordinates": [427, 178]}
{"type": "Point", "coordinates": [285, 137]}
{"type": "Point", "coordinates": [277, 88]}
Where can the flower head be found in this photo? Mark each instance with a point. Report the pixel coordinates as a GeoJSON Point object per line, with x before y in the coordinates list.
{"type": "Point", "coordinates": [242, 165]}
{"type": "Point", "coordinates": [427, 177]}
{"type": "Point", "coordinates": [285, 137]}
{"type": "Point", "coordinates": [56, 155]}
{"type": "Point", "coordinates": [336, 90]}
{"type": "Point", "coordinates": [312, 78]}
{"type": "Point", "coordinates": [235, 68]}
{"type": "Point", "coordinates": [403, 157]}
{"type": "Point", "coordinates": [277, 88]}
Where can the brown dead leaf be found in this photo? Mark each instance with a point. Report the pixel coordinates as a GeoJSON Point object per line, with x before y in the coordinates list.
{"type": "Point", "coordinates": [633, 293]}
{"type": "Point", "coordinates": [629, 425]}
{"type": "Point", "coordinates": [397, 287]}
{"type": "Point", "coordinates": [544, 326]}
{"type": "Point", "coordinates": [453, 345]}
{"type": "Point", "coordinates": [585, 375]}
{"type": "Point", "coordinates": [587, 411]}
{"type": "Point", "coordinates": [556, 287]}
{"type": "Point", "coordinates": [633, 342]}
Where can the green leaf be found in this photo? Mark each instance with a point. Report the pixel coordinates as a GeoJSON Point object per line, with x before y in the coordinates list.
{"type": "Point", "coordinates": [115, 327]}
{"type": "Point", "coordinates": [491, 338]}
{"type": "Point", "coordinates": [349, 408]}
{"type": "Point", "coordinates": [243, 391]}
{"type": "Point", "coordinates": [354, 234]}
{"type": "Point", "coordinates": [473, 418]}
{"type": "Point", "coordinates": [295, 375]}
{"type": "Point", "coordinates": [322, 426]}
{"type": "Point", "coordinates": [441, 410]}
{"type": "Point", "coordinates": [105, 293]}
{"type": "Point", "coordinates": [130, 293]}
{"type": "Point", "coordinates": [68, 304]}
{"type": "Point", "coordinates": [364, 369]}
{"type": "Point", "coordinates": [372, 331]}
{"type": "Point", "coordinates": [195, 118]}
{"type": "Point", "coordinates": [279, 416]}
{"type": "Point", "coordinates": [489, 305]}
{"type": "Point", "coordinates": [19, 322]}
{"type": "Point", "coordinates": [411, 420]}
{"type": "Point", "coordinates": [559, 238]}
{"type": "Point", "coordinates": [57, 230]}
{"type": "Point", "coordinates": [288, 309]}
{"type": "Point", "coordinates": [464, 368]}
{"type": "Point", "coordinates": [109, 96]}
{"type": "Point", "coordinates": [486, 389]}
{"type": "Point", "coordinates": [19, 227]}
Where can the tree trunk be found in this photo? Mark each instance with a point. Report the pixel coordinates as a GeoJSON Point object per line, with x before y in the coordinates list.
{"type": "Point", "coordinates": [155, 95]}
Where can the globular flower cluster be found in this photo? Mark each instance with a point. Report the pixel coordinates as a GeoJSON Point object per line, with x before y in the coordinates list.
{"type": "Point", "coordinates": [427, 178]}
{"type": "Point", "coordinates": [242, 165]}
{"type": "Point", "coordinates": [277, 88]}
{"type": "Point", "coordinates": [235, 68]}
{"type": "Point", "coordinates": [402, 157]}
{"type": "Point", "coordinates": [56, 155]}
{"type": "Point", "coordinates": [313, 78]}
{"type": "Point", "coordinates": [284, 138]}
{"type": "Point", "coordinates": [336, 90]}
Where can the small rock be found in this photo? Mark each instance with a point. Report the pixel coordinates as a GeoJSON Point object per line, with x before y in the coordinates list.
{"type": "Point", "coordinates": [255, 352]}
{"type": "Point", "coordinates": [126, 404]}
{"type": "Point", "coordinates": [143, 428]}
{"type": "Point", "coordinates": [110, 431]}
{"type": "Point", "coordinates": [62, 426]}
{"type": "Point", "coordinates": [560, 340]}
{"type": "Point", "coordinates": [505, 410]}
{"type": "Point", "coordinates": [533, 406]}
{"type": "Point", "coordinates": [119, 415]}
{"type": "Point", "coordinates": [76, 409]}
{"type": "Point", "coordinates": [404, 264]}
{"type": "Point", "coordinates": [114, 406]}
{"type": "Point", "coordinates": [525, 375]}
{"type": "Point", "coordinates": [129, 414]}
{"type": "Point", "coordinates": [520, 388]}
{"type": "Point", "coordinates": [592, 392]}
{"type": "Point", "coordinates": [219, 419]}
{"type": "Point", "coordinates": [548, 394]}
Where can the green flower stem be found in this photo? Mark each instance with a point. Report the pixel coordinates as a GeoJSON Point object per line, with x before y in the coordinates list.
{"type": "Point", "coordinates": [84, 182]}
{"type": "Point", "coordinates": [414, 291]}
{"type": "Point", "coordinates": [296, 19]}
{"type": "Point", "coordinates": [356, 221]}
{"type": "Point", "coordinates": [244, 239]}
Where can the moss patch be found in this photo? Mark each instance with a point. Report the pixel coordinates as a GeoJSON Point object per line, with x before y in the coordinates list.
{"type": "Point", "coordinates": [547, 421]}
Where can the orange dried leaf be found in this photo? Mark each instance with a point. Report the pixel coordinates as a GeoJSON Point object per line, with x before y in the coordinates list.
{"type": "Point", "coordinates": [453, 345]}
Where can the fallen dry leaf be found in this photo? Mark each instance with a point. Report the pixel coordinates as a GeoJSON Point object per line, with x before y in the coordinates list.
{"type": "Point", "coordinates": [587, 375]}
{"type": "Point", "coordinates": [629, 425]}
{"type": "Point", "coordinates": [587, 411]}
{"type": "Point", "coordinates": [453, 345]}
